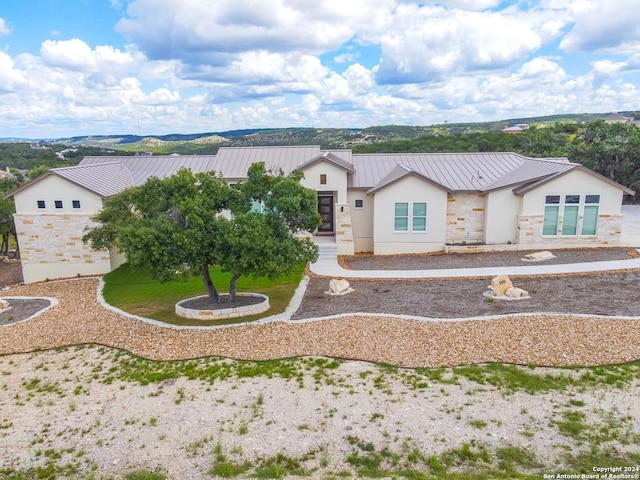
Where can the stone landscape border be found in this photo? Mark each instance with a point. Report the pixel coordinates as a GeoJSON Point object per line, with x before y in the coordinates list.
{"type": "Point", "coordinates": [223, 313]}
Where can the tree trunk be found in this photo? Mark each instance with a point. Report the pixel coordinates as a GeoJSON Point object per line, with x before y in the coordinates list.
{"type": "Point", "coordinates": [233, 288]}
{"type": "Point", "coordinates": [17, 255]}
{"type": "Point", "coordinates": [211, 289]}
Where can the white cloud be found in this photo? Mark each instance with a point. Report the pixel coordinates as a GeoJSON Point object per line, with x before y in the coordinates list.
{"type": "Point", "coordinates": [197, 33]}
{"type": "Point", "coordinates": [4, 28]}
{"type": "Point", "coordinates": [426, 44]}
{"type": "Point", "coordinates": [10, 77]}
{"type": "Point", "coordinates": [602, 25]}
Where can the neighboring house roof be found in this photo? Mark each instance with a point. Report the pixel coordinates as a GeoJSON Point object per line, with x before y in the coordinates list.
{"type": "Point", "coordinates": [615, 117]}
{"type": "Point", "coordinates": [103, 179]}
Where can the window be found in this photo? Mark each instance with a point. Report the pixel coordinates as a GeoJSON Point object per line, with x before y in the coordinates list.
{"type": "Point", "coordinates": [42, 204]}
{"type": "Point", "coordinates": [256, 206]}
{"type": "Point", "coordinates": [551, 209]}
{"type": "Point", "coordinates": [323, 179]}
{"type": "Point", "coordinates": [419, 219]}
{"type": "Point", "coordinates": [590, 216]}
{"type": "Point", "coordinates": [58, 203]}
{"type": "Point", "coordinates": [570, 215]}
{"type": "Point", "coordinates": [579, 214]}
{"type": "Point", "coordinates": [359, 203]}
{"type": "Point", "coordinates": [401, 217]}
{"type": "Point", "coordinates": [75, 203]}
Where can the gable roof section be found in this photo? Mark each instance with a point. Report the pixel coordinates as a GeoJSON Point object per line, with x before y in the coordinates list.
{"type": "Point", "coordinates": [331, 158]}
{"type": "Point", "coordinates": [104, 179]}
{"type": "Point", "coordinates": [532, 169]}
{"type": "Point", "coordinates": [522, 189]}
{"type": "Point", "coordinates": [398, 173]}
{"type": "Point", "coordinates": [456, 172]}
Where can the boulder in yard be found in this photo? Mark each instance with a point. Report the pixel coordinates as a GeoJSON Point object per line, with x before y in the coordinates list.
{"type": "Point", "coordinates": [539, 256]}
{"type": "Point", "coordinates": [339, 287]}
{"type": "Point", "coordinates": [515, 292]}
{"type": "Point", "coordinates": [500, 284]}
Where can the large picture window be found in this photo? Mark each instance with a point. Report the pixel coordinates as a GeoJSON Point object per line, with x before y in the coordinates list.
{"type": "Point", "coordinates": [579, 215]}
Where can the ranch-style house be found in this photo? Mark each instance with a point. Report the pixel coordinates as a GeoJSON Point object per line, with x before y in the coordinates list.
{"type": "Point", "coordinates": [384, 203]}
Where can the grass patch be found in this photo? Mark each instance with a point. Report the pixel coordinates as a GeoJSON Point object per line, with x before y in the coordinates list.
{"type": "Point", "coordinates": [135, 292]}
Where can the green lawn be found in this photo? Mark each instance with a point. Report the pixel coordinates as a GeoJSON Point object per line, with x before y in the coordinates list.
{"type": "Point", "coordinates": [134, 291]}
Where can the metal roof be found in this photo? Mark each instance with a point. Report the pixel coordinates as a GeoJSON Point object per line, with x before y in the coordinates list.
{"type": "Point", "coordinates": [143, 167]}
{"type": "Point", "coordinates": [104, 179]}
{"type": "Point", "coordinates": [456, 172]}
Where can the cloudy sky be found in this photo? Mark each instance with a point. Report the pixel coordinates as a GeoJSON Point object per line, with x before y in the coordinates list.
{"type": "Point", "coordinates": [81, 67]}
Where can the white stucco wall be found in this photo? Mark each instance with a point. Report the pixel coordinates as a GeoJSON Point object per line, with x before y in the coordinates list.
{"type": "Point", "coordinates": [336, 179]}
{"type": "Point", "coordinates": [575, 182]}
{"type": "Point", "coordinates": [54, 188]}
{"type": "Point", "coordinates": [409, 189]}
{"type": "Point", "coordinates": [501, 216]}
{"type": "Point", "coordinates": [362, 220]}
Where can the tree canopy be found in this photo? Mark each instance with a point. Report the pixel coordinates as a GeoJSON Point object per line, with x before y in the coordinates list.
{"type": "Point", "coordinates": [181, 225]}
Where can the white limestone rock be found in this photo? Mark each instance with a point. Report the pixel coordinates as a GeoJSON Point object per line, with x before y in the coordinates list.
{"type": "Point", "coordinates": [339, 287]}
{"type": "Point", "coordinates": [516, 293]}
{"type": "Point", "coordinates": [539, 256]}
{"type": "Point", "coordinates": [500, 284]}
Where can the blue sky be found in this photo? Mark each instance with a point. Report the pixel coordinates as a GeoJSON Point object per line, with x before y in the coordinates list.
{"type": "Point", "coordinates": [84, 67]}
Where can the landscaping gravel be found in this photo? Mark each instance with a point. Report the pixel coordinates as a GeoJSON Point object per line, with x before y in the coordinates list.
{"type": "Point", "coordinates": [437, 261]}
{"type": "Point", "coordinates": [542, 339]}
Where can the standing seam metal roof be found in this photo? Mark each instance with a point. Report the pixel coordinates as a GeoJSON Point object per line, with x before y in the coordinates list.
{"type": "Point", "coordinates": [456, 172]}
{"type": "Point", "coordinates": [105, 179]}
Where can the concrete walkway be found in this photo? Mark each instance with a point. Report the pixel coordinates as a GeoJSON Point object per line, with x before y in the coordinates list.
{"type": "Point", "coordinates": [327, 266]}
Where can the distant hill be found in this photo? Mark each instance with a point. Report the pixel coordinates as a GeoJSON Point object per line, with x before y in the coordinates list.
{"type": "Point", "coordinates": [209, 142]}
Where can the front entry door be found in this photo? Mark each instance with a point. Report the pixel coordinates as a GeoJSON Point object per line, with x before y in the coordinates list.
{"type": "Point", "coordinates": [325, 208]}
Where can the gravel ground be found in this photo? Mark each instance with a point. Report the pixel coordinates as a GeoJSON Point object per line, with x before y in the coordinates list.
{"type": "Point", "coordinates": [600, 294]}
{"type": "Point", "coordinates": [540, 339]}
{"type": "Point", "coordinates": [438, 261]}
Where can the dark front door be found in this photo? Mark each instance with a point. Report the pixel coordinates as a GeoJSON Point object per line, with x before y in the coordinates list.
{"type": "Point", "coordinates": [325, 208]}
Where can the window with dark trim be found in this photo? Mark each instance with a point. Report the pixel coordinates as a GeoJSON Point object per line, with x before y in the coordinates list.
{"type": "Point", "coordinates": [323, 179]}
{"type": "Point", "coordinates": [75, 203]}
{"type": "Point", "coordinates": [57, 203]}
{"type": "Point", "coordinates": [359, 203]}
{"type": "Point", "coordinates": [42, 204]}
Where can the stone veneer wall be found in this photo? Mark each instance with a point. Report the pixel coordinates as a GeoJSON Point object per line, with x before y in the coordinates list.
{"type": "Point", "coordinates": [530, 232]}
{"type": "Point", "coordinates": [344, 230]}
{"type": "Point", "coordinates": [53, 244]}
{"type": "Point", "coordinates": [465, 218]}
